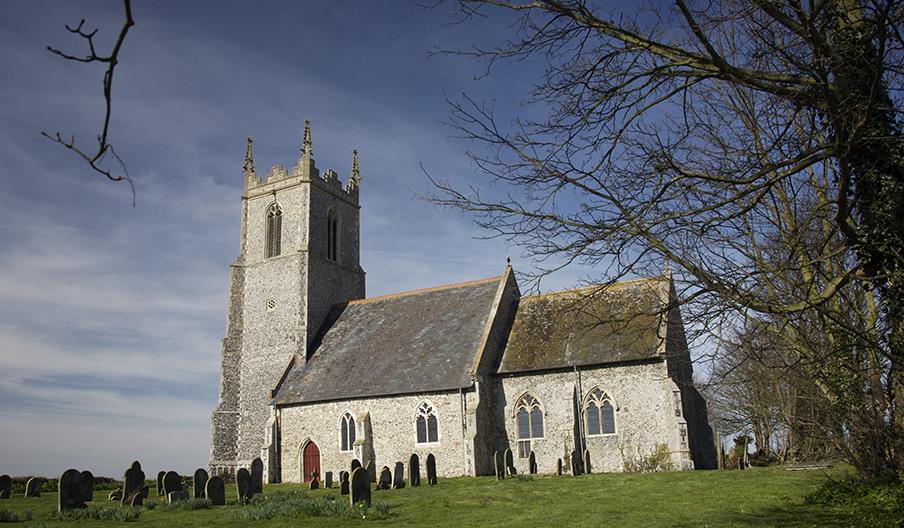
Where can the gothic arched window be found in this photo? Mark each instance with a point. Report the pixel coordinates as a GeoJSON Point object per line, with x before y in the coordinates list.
{"type": "Point", "coordinates": [427, 427]}
{"type": "Point", "coordinates": [347, 432]}
{"type": "Point", "coordinates": [274, 230]}
{"type": "Point", "coordinates": [332, 236]}
{"type": "Point", "coordinates": [599, 413]}
{"type": "Point", "coordinates": [528, 423]}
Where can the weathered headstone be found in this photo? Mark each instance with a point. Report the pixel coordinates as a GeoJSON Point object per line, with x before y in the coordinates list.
{"type": "Point", "coordinates": [132, 483]}
{"type": "Point", "coordinates": [160, 475]}
{"type": "Point", "coordinates": [575, 463]}
{"type": "Point", "coordinates": [587, 466]}
{"type": "Point", "coordinates": [559, 467]}
{"type": "Point", "coordinates": [33, 487]}
{"type": "Point", "coordinates": [137, 500]}
{"type": "Point", "coordinates": [115, 495]}
{"type": "Point", "coordinates": [257, 476]}
{"type": "Point", "coordinates": [360, 487]}
{"type": "Point", "coordinates": [315, 483]}
{"type": "Point", "coordinates": [499, 464]}
{"type": "Point", "coordinates": [171, 482]}
{"type": "Point", "coordinates": [87, 482]}
{"type": "Point", "coordinates": [243, 484]}
{"type": "Point", "coordinates": [6, 486]}
{"type": "Point", "coordinates": [145, 492]}
{"type": "Point", "coordinates": [70, 488]}
{"type": "Point", "coordinates": [371, 471]}
{"type": "Point", "coordinates": [343, 482]}
{"type": "Point", "coordinates": [215, 490]}
{"type": "Point", "coordinates": [198, 482]}
{"type": "Point", "coordinates": [385, 480]}
{"type": "Point", "coordinates": [176, 496]}
{"type": "Point", "coordinates": [431, 469]}
{"type": "Point", "coordinates": [355, 465]}
{"type": "Point", "coordinates": [398, 476]}
{"type": "Point", "coordinates": [414, 470]}
{"type": "Point", "coordinates": [509, 463]}
{"type": "Point", "coordinates": [328, 479]}
{"type": "Point", "coordinates": [532, 463]}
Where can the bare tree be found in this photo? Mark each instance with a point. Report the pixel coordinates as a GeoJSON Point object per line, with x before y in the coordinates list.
{"type": "Point", "coordinates": [754, 146]}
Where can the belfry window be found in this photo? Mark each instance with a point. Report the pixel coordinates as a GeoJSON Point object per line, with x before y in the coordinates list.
{"type": "Point", "coordinates": [427, 427]}
{"type": "Point", "coordinates": [332, 236]}
{"type": "Point", "coordinates": [274, 230]}
{"type": "Point", "coordinates": [347, 432]}
{"type": "Point", "coordinates": [599, 413]}
{"type": "Point", "coordinates": [528, 423]}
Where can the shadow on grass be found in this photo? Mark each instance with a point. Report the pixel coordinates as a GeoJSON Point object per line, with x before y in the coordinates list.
{"type": "Point", "coordinates": [791, 516]}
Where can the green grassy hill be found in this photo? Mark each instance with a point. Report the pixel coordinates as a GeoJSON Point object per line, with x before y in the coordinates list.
{"type": "Point", "coordinates": [756, 497]}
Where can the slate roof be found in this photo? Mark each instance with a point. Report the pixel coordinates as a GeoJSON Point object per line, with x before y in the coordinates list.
{"type": "Point", "coordinates": [421, 341]}
{"type": "Point", "coordinates": [589, 326]}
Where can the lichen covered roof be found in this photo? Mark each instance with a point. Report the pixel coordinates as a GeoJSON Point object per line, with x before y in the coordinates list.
{"type": "Point", "coordinates": [421, 341]}
{"type": "Point", "coordinates": [589, 326]}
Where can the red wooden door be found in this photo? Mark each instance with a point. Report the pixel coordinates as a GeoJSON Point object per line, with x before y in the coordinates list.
{"type": "Point", "coordinates": [311, 461]}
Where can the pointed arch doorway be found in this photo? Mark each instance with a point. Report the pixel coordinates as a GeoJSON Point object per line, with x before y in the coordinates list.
{"type": "Point", "coordinates": [310, 461]}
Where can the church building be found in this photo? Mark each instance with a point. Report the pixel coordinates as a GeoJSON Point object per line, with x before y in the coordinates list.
{"type": "Point", "coordinates": [315, 374]}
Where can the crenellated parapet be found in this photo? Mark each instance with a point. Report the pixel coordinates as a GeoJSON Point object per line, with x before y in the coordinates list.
{"type": "Point", "coordinates": [304, 171]}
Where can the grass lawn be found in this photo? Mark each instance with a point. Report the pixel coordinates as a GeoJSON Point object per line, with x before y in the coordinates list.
{"type": "Point", "coordinates": [756, 497]}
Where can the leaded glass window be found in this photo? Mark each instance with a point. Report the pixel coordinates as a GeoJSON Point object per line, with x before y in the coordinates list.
{"type": "Point", "coordinates": [427, 426]}
{"type": "Point", "coordinates": [529, 417]}
{"type": "Point", "coordinates": [347, 432]}
{"type": "Point", "coordinates": [599, 413]}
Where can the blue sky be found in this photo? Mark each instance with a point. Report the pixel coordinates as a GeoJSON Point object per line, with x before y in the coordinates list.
{"type": "Point", "coordinates": [111, 316]}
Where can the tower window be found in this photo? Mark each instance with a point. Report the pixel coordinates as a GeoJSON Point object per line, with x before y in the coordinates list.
{"type": "Point", "coordinates": [346, 432]}
{"type": "Point", "coordinates": [332, 236]}
{"type": "Point", "coordinates": [274, 230]}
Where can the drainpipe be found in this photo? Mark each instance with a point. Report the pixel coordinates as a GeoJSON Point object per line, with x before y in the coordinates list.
{"type": "Point", "coordinates": [464, 444]}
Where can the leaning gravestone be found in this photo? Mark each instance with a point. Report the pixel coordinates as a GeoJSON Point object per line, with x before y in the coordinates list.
{"type": "Point", "coordinates": [385, 480]}
{"type": "Point", "coordinates": [132, 484]}
{"type": "Point", "coordinates": [6, 486]}
{"type": "Point", "coordinates": [360, 487]}
{"type": "Point", "coordinates": [371, 471]}
{"type": "Point", "coordinates": [587, 466]}
{"type": "Point", "coordinates": [414, 471]}
{"type": "Point", "coordinates": [33, 487]}
{"type": "Point", "coordinates": [343, 482]}
{"type": "Point", "coordinates": [355, 465]}
{"type": "Point", "coordinates": [160, 475]}
{"type": "Point", "coordinates": [115, 495]}
{"type": "Point", "coordinates": [70, 488]}
{"type": "Point", "coordinates": [328, 479]}
{"type": "Point", "coordinates": [87, 481]}
{"type": "Point", "coordinates": [559, 467]}
{"type": "Point", "coordinates": [398, 476]}
{"type": "Point", "coordinates": [509, 463]}
{"type": "Point", "coordinates": [176, 496]}
{"type": "Point", "coordinates": [198, 483]}
{"type": "Point", "coordinates": [431, 469]}
{"type": "Point", "coordinates": [137, 500]}
{"type": "Point", "coordinates": [575, 463]}
{"type": "Point", "coordinates": [171, 482]}
{"type": "Point", "coordinates": [243, 484]}
{"type": "Point", "coordinates": [257, 476]}
{"type": "Point", "coordinates": [215, 491]}
{"type": "Point", "coordinates": [499, 464]}
{"type": "Point", "coordinates": [532, 463]}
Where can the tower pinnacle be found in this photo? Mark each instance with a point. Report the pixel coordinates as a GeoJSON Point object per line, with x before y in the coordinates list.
{"type": "Point", "coordinates": [354, 180]}
{"type": "Point", "coordinates": [248, 165]}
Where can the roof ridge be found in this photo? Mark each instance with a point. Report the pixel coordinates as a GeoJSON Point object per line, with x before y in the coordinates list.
{"type": "Point", "coordinates": [610, 287]}
{"type": "Point", "coordinates": [424, 290]}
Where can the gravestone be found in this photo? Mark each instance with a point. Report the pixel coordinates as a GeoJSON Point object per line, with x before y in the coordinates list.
{"type": "Point", "coordinates": [160, 475]}
{"type": "Point", "coordinates": [115, 495]}
{"type": "Point", "coordinates": [70, 488]}
{"type": "Point", "coordinates": [587, 466]}
{"type": "Point", "coordinates": [532, 463]}
{"type": "Point", "coordinates": [499, 464]}
{"type": "Point", "coordinates": [171, 482]}
{"type": "Point", "coordinates": [243, 484]}
{"type": "Point", "coordinates": [398, 476]}
{"type": "Point", "coordinates": [176, 496]}
{"type": "Point", "coordinates": [137, 500]}
{"type": "Point", "coordinates": [33, 487]}
{"type": "Point", "coordinates": [328, 479]}
{"type": "Point", "coordinates": [132, 483]}
{"type": "Point", "coordinates": [355, 465]}
{"type": "Point", "coordinates": [371, 471]}
{"type": "Point", "coordinates": [215, 490]}
{"type": "Point", "coordinates": [87, 482]}
{"type": "Point", "coordinates": [431, 469]}
{"type": "Point", "coordinates": [575, 463]}
{"type": "Point", "coordinates": [343, 482]}
{"type": "Point", "coordinates": [360, 487]}
{"type": "Point", "coordinates": [509, 463]}
{"type": "Point", "coordinates": [6, 486]}
{"type": "Point", "coordinates": [385, 481]}
{"type": "Point", "coordinates": [257, 476]}
{"type": "Point", "coordinates": [145, 492]}
{"type": "Point", "coordinates": [198, 482]}
{"type": "Point", "coordinates": [315, 484]}
{"type": "Point", "coordinates": [414, 471]}
{"type": "Point", "coordinates": [559, 467]}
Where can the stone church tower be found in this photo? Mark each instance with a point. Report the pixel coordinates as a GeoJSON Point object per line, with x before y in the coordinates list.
{"type": "Point", "coordinates": [299, 256]}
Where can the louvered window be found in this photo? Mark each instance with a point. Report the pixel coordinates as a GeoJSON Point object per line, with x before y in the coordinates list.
{"type": "Point", "coordinates": [332, 236]}
{"type": "Point", "coordinates": [274, 230]}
